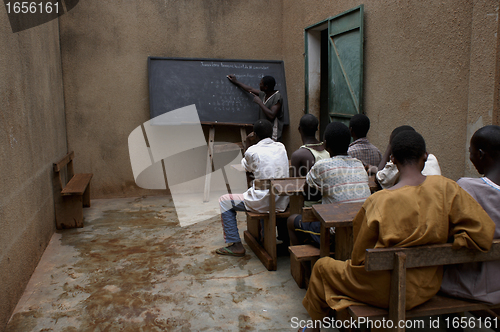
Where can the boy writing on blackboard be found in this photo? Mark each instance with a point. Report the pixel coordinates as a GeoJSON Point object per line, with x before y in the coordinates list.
{"type": "Point", "coordinates": [269, 100]}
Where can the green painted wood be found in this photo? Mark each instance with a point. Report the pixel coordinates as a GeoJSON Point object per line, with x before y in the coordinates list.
{"type": "Point", "coordinates": [345, 93]}
{"type": "Point", "coordinates": [306, 80]}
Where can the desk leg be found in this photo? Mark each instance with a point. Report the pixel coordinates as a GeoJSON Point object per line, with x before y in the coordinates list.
{"type": "Point", "coordinates": [343, 243]}
{"type": "Point", "coordinates": [208, 173]}
{"type": "Point", "coordinates": [270, 230]}
{"type": "Point", "coordinates": [253, 226]}
{"type": "Point", "coordinates": [243, 133]}
{"type": "Point", "coordinates": [296, 203]}
{"type": "Point", "coordinates": [324, 246]}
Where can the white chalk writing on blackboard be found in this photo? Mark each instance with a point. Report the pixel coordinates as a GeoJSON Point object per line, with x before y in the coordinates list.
{"type": "Point", "coordinates": [209, 64]}
{"type": "Point", "coordinates": [204, 82]}
{"type": "Point", "coordinates": [233, 65]}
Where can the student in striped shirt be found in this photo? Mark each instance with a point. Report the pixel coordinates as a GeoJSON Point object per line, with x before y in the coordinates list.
{"type": "Point", "coordinates": [339, 179]}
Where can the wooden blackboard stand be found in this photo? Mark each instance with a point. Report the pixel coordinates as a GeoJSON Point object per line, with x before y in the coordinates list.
{"type": "Point", "coordinates": [221, 148]}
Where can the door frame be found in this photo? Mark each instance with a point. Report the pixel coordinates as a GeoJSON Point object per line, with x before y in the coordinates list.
{"type": "Point", "coordinates": [312, 45]}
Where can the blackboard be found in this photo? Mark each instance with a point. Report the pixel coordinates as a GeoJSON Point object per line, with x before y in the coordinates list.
{"type": "Point", "coordinates": [179, 82]}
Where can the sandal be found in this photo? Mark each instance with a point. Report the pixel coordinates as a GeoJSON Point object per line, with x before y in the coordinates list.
{"type": "Point", "coordinates": [226, 251]}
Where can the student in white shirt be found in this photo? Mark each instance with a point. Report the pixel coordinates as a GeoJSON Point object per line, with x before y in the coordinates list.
{"type": "Point", "coordinates": [388, 174]}
{"type": "Point", "coordinates": [266, 160]}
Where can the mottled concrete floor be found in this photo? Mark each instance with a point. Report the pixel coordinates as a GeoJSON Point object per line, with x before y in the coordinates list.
{"type": "Point", "coordinates": [133, 268]}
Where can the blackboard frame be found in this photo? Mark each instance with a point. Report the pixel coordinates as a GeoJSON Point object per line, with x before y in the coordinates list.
{"type": "Point", "coordinates": [158, 106]}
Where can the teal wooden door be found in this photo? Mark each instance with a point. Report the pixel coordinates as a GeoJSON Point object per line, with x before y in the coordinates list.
{"type": "Point", "coordinates": [345, 52]}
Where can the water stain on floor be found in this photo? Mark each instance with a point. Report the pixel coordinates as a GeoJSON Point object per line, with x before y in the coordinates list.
{"type": "Point", "coordinates": [133, 268]}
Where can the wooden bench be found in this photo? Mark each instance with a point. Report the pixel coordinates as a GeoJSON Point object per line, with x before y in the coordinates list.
{"type": "Point", "coordinates": [398, 260]}
{"type": "Point", "coordinates": [71, 193]}
{"type": "Point", "coordinates": [267, 251]}
{"type": "Point", "coordinates": [303, 257]}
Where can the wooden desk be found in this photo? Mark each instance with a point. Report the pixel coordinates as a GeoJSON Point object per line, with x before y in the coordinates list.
{"type": "Point", "coordinates": [340, 216]}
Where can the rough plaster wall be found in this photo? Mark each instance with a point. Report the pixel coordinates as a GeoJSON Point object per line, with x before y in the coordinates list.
{"type": "Point", "coordinates": [105, 45]}
{"type": "Point", "coordinates": [417, 63]}
{"type": "Point", "coordinates": [417, 58]}
{"type": "Point", "coordinates": [483, 63]}
{"type": "Point", "coordinates": [32, 137]}
{"type": "Point", "coordinates": [407, 77]}
{"type": "Point", "coordinates": [420, 59]}
{"type": "Point", "coordinates": [496, 101]}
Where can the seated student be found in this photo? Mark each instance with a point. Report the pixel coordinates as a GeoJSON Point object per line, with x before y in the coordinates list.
{"type": "Point", "coordinates": [309, 153]}
{"type": "Point", "coordinates": [479, 281]}
{"type": "Point", "coordinates": [388, 173]}
{"type": "Point", "coordinates": [361, 148]}
{"type": "Point", "coordinates": [302, 160]}
{"type": "Point", "coordinates": [419, 210]}
{"type": "Point", "coordinates": [266, 160]}
{"type": "Point", "coordinates": [339, 179]}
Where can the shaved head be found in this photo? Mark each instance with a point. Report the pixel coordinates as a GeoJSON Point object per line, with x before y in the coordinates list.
{"type": "Point", "coordinates": [488, 140]}
{"type": "Point", "coordinates": [309, 125]}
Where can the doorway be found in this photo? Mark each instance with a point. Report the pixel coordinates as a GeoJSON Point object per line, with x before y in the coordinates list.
{"type": "Point", "coordinates": [334, 67]}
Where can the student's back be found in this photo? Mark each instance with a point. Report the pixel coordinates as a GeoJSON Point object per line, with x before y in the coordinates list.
{"type": "Point", "coordinates": [479, 281]}
{"type": "Point", "coordinates": [417, 211]}
{"type": "Point", "coordinates": [339, 179]}
{"type": "Point", "coordinates": [361, 148]}
{"type": "Point", "coordinates": [311, 150]}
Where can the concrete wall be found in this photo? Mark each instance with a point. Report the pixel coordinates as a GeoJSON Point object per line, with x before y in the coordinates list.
{"type": "Point", "coordinates": [433, 65]}
{"type": "Point", "coordinates": [32, 136]}
{"type": "Point", "coordinates": [105, 47]}
{"type": "Point", "coordinates": [427, 64]}
{"type": "Point", "coordinates": [484, 59]}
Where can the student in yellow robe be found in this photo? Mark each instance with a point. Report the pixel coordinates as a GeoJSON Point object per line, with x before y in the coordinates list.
{"type": "Point", "coordinates": [419, 210]}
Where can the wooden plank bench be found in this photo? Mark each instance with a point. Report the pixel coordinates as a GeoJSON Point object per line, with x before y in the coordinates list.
{"type": "Point", "coordinates": [267, 251]}
{"type": "Point", "coordinates": [71, 193]}
{"type": "Point", "coordinates": [303, 257]}
{"type": "Point", "coordinates": [398, 260]}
